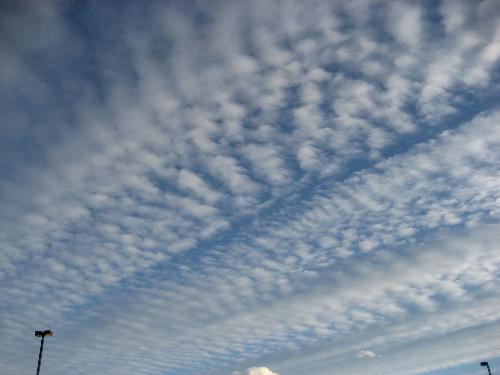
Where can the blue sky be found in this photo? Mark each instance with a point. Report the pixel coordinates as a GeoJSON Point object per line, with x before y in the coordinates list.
{"type": "Point", "coordinates": [250, 187]}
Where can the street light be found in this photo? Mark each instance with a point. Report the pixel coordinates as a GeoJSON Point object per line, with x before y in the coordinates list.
{"type": "Point", "coordinates": [41, 334]}
{"type": "Point", "coordinates": [487, 366]}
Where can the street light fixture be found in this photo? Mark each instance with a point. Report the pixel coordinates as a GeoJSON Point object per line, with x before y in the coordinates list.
{"type": "Point", "coordinates": [483, 364]}
{"type": "Point", "coordinates": [41, 334]}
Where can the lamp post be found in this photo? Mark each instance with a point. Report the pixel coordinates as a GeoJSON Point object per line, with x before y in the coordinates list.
{"type": "Point", "coordinates": [487, 366]}
{"type": "Point", "coordinates": [41, 334]}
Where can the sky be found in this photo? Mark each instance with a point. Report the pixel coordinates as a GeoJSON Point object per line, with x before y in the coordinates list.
{"type": "Point", "coordinates": [253, 187]}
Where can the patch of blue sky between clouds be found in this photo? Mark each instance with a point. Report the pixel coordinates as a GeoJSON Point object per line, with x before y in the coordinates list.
{"type": "Point", "coordinates": [248, 183]}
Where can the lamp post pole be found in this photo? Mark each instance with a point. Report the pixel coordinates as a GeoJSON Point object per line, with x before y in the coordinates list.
{"type": "Point", "coordinates": [41, 334]}
{"type": "Point", "coordinates": [487, 366]}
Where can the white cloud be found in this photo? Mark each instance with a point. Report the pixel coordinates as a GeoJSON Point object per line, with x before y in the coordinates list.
{"type": "Point", "coordinates": [266, 161]}
{"type": "Point", "coordinates": [247, 181]}
{"type": "Point", "coordinates": [307, 156]}
{"type": "Point", "coordinates": [366, 354]}
{"type": "Point", "coordinates": [256, 371]}
{"type": "Point", "coordinates": [231, 173]}
{"type": "Point", "coordinates": [406, 22]}
{"type": "Point", "coordinates": [192, 182]}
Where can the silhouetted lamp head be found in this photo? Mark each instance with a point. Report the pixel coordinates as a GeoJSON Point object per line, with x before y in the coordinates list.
{"type": "Point", "coordinates": [43, 333]}
{"type": "Point", "coordinates": [484, 364]}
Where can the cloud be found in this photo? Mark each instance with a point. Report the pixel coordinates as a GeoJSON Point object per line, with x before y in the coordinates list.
{"type": "Point", "coordinates": [256, 371]}
{"type": "Point", "coordinates": [267, 162]}
{"type": "Point", "coordinates": [249, 181]}
{"type": "Point", "coordinates": [407, 25]}
{"type": "Point", "coordinates": [366, 354]}
{"type": "Point", "coordinates": [191, 181]}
